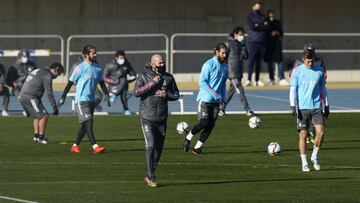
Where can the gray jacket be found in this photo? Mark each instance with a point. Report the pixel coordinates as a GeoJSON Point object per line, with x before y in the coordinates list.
{"type": "Point", "coordinates": [153, 108]}
{"type": "Point", "coordinates": [38, 82]}
{"type": "Point", "coordinates": [237, 52]}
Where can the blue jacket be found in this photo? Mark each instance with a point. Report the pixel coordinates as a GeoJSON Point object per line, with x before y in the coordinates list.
{"type": "Point", "coordinates": [256, 27]}
{"type": "Point", "coordinates": [212, 82]}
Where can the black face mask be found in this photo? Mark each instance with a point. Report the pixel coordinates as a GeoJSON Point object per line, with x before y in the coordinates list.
{"type": "Point", "coordinates": [160, 69]}
{"type": "Point", "coordinates": [257, 11]}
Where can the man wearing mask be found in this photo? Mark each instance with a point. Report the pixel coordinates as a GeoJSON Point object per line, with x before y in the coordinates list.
{"type": "Point", "coordinates": [273, 51]}
{"type": "Point", "coordinates": [118, 74]}
{"type": "Point", "coordinates": [20, 70]}
{"type": "Point", "coordinates": [237, 52]}
{"type": "Point", "coordinates": [256, 28]}
{"type": "Point", "coordinates": [155, 87]}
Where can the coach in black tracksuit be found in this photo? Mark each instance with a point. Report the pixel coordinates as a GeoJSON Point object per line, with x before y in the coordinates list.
{"type": "Point", "coordinates": [155, 87]}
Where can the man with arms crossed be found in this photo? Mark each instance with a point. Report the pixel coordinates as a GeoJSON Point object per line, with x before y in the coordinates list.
{"type": "Point", "coordinates": [307, 84]}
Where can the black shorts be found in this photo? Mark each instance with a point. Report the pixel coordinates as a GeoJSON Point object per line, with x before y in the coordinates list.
{"type": "Point", "coordinates": [309, 116]}
{"type": "Point", "coordinates": [85, 110]}
{"type": "Point", "coordinates": [208, 110]}
{"type": "Point", "coordinates": [33, 107]}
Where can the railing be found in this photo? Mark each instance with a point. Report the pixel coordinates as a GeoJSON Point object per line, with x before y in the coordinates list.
{"type": "Point", "coordinates": [174, 50]}
{"type": "Point", "coordinates": [110, 52]}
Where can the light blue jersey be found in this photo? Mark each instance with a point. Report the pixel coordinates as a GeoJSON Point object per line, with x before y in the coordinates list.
{"type": "Point", "coordinates": [212, 81]}
{"type": "Point", "coordinates": [308, 83]}
{"type": "Point", "coordinates": [86, 76]}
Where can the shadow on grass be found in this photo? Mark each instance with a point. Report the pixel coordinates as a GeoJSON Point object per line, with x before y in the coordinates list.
{"type": "Point", "coordinates": [250, 181]}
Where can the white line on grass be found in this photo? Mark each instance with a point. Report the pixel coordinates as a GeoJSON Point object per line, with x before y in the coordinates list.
{"type": "Point", "coordinates": [16, 199]}
{"type": "Point", "coordinates": [170, 163]}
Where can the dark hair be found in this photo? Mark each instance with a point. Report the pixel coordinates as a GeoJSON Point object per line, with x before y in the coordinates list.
{"type": "Point", "coordinates": [220, 46]}
{"type": "Point", "coordinates": [308, 54]}
{"type": "Point", "coordinates": [270, 11]}
{"type": "Point", "coordinates": [23, 52]}
{"type": "Point", "coordinates": [119, 52]}
{"type": "Point", "coordinates": [237, 29]}
{"type": "Point", "coordinates": [57, 66]}
{"type": "Point", "coordinates": [87, 48]}
{"type": "Point", "coordinates": [257, 2]}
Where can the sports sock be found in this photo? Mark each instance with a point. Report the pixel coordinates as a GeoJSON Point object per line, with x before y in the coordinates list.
{"type": "Point", "coordinates": [303, 159]}
{"type": "Point", "coordinates": [189, 136]}
{"type": "Point", "coordinates": [41, 137]}
{"type": "Point", "coordinates": [198, 144]}
{"type": "Point", "coordinates": [36, 135]}
{"type": "Point", "coordinates": [314, 153]}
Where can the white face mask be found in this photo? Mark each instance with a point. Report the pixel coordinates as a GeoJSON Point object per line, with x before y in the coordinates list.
{"type": "Point", "coordinates": [23, 59]}
{"type": "Point", "coordinates": [240, 38]}
{"type": "Point", "coordinates": [120, 61]}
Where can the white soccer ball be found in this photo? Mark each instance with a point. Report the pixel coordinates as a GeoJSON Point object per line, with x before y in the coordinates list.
{"type": "Point", "coordinates": [254, 122]}
{"type": "Point", "coordinates": [182, 127]}
{"type": "Point", "coordinates": [274, 148]}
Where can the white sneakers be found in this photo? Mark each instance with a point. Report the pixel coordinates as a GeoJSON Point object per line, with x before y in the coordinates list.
{"type": "Point", "coordinates": [283, 82]}
{"type": "Point", "coordinates": [305, 168]}
{"type": "Point", "coordinates": [316, 164]}
{"type": "Point", "coordinates": [247, 83]}
{"type": "Point", "coordinates": [259, 83]}
{"type": "Point", "coordinates": [4, 113]}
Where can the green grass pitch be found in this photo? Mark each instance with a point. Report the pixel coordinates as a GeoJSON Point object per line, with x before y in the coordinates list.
{"type": "Point", "coordinates": [234, 168]}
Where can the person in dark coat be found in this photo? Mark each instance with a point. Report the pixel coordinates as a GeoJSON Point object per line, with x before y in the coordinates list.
{"type": "Point", "coordinates": [273, 50]}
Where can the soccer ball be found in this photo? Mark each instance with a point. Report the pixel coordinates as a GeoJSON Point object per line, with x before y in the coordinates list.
{"type": "Point", "coordinates": [254, 122]}
{"type": "Point", "coordinates": [182, 127]}
{"type": "Point", "coordinates": [274, 148]}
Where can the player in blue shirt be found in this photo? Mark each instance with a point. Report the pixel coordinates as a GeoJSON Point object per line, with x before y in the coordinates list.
{"type": "Point", "coordinates": [212, 92]}
{"type": "Point", "coordinates": [86, 76]}
{"type": "Point", "coordinates": [307, 85]}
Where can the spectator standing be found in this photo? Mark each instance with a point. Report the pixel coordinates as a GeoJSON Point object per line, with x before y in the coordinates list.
{"type": "Point", "coordinates": [273, 51]}
{"type": "Point", "coordinates": [257, 26]}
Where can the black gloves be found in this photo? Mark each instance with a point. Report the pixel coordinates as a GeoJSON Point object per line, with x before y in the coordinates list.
{"type": "Point", "coordinates": [327, 111]}
{"type": "Point", "coordinates": [61, 102]}
{"type": "Point", "coordinates": [293, 111]}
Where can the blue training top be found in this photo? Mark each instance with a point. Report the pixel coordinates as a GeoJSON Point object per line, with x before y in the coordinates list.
{"type": "Point", "coordinates": [308, 83]}
{"type": "Point", "coordinates": [86, 76]}
{"type": "Point", "coordinates": [212, 81]}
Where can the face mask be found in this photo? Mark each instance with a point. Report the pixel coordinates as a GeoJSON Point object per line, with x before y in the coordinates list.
{"type": "Point", "coordinates": [271, 18]}
{"type": "Point", "coordinates": [23, 59]}
{"type": "Point", "coordinates": [240, 38]}
{"type": "Point", "coordinates": [120, 61]}
{"type": "Point", "coordinates": [160, 69]}
{"type": "Point", "coordinates": [257, 11]}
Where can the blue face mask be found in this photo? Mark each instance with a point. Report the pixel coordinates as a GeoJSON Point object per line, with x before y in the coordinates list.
{"type": "Point", "coordinates": [120, 61]}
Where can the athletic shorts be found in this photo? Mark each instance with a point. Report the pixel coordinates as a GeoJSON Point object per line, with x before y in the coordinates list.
{"type": "Point", "coordinates": [208, 110]}
{"type": "Point", "coordinates": [84, 110]}
{"type": "Point", "coordinates": [33, 107]}
{"type": "Point", "coordinates": [308, 116]}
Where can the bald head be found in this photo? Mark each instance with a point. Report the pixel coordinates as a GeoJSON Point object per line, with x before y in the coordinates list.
{"type": "Point", "coordinates": [157, 62]}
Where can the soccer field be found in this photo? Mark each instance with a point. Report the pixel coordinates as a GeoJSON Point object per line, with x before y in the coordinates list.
{"type": "Point", "coordinates": [235, 166]}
